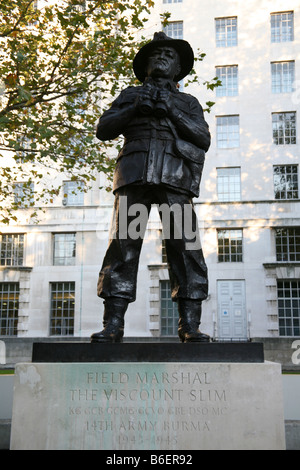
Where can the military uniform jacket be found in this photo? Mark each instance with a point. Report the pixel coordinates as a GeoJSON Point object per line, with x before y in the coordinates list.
{"type": "Point", "coordinates": [149, 154]}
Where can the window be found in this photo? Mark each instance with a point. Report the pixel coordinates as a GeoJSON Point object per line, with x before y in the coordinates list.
{"type": "Point", "coordinates": [286, 182]}
{"type": "Point", "coordinates": [229, 77]}
{"type": "Point", "coordinates": [174, 30]}
{"type": "Point", "coordinates": [25, 146]}
{"type": "Point", "coordinates": [229, 184]}
{"type": "Point", "coordinates": [230, 246]}
{"type": "Point", "coordinates": [284, 128]}
{"type": "Point", "coordinates": [64, 250]}
{"type": "Point", "coordinates": [164, 258]}
{"type": "Point", "coordinates": [172, 1]}
{"type": "Point", "coordinates": [73, 193]}
{"type": "Point", "coordinates": [282, 27]}
{"type": "Point", "coordinates": [226, 32]}
{"type": "Point", "coordinates": [287, 244]}
{"type": "Point", "coordinates": [228, 132]}
{"type": "Point", "coordinates": [12, 249]}
{"type": "Point", "coordinates": [288, 307]}
{"type": "Point", "coordinates": [23, 194]}
{"type": "Point", "coordinates": [9, 308]}
{"type": "Point", "coordinates": [283, 76]}
{"type": "Point", "coordinates": [62, 308]}
{"type": "Point", "coordinates": [168, 311]}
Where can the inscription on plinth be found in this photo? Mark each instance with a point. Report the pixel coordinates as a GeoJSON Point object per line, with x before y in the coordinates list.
{"type": "Point", "coordinates": [150, 407]}
{"type": "Point", "coordinates": [147, 406]}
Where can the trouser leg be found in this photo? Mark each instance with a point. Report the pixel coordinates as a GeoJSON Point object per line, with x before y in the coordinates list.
{"type": "Point", "coordinates": [187, 268]}
{"type": "Point", "coordinates": [118, 275]}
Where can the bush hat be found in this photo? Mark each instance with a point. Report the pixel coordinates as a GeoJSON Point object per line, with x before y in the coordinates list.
{"type": "Point", "coordinates": [160, 39]}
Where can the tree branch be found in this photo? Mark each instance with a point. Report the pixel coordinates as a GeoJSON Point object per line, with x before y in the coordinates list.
{"type": "Point", "coordinates": [21, 17]}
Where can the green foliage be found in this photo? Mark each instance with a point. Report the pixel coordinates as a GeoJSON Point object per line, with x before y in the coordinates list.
{"type": "Point", "coordinates": [56, 63]}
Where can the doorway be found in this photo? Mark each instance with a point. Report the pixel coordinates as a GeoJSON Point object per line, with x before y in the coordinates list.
{"type": "Point", "coordinates": [232, 315]}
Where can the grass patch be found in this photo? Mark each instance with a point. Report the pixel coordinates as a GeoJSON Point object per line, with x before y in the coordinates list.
{"type": "Point", "coordinates": [7, 371]}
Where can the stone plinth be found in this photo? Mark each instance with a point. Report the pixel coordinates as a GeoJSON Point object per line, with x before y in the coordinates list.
{"type": "Point", "coordinates": [148, 406]}
{"type": "Point", "coordinates": [148, 352]}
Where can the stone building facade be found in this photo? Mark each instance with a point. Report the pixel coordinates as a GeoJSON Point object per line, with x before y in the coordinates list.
{"type": "Point", "coordinates": [248, 208]}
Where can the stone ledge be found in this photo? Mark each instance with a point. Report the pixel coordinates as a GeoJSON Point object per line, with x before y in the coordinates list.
{"type": "Point", "coordinates": [279, 264]}
{"type": "Point", "coordinates": [292, 432]}
{"type": "Point", "coordinates": [5, 429]}
{"type": "Point", "coordinates": [146, 352]}
{"type": "Point", "coordinates": [16, 268]}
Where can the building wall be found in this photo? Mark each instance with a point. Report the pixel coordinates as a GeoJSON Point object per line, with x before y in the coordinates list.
{"type": "Point", "coordinates": [256, 214]}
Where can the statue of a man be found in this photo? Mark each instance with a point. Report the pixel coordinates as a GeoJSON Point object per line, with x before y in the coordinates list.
{"type": "Point", "coordinates": [166, 138]}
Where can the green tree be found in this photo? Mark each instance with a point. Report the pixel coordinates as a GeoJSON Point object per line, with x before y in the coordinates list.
{"type": "Point", "coordinates": [56, 63]}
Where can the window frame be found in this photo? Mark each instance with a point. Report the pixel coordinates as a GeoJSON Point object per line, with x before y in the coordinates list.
{"type": "Point", "coordinates": [62, 325]}
{"type": "Point", "coordinates": [223, 37]}
{"type": "Point", "coordinates": [73, 196]}
{"type": "Point", "coordinates": [168, 323]}
{"type": "Point", "coordinates": [278, 35]}
{"type": "Point", "coordinates": [288, 301]}
{"type": "Point", "coordinates": [66, 260]}
{"type": "Point", "coordinates": [228, 131]}
{"type": "Point", "coordinates": [230, 87]}
{"type": "Point", "coordinates": [287, 131]}
{"type": "Point", "coordinates": [231, 250]}
{"type": "Point", "coordinates": [227, 184]}
{"type": "Point", "coordinates": [9, 322]}
{"type": "Point", "coordinates": [287, 244]}
{"type": "Point", "coordinates": [169, 29]}
{"type": "Point", "coordinates": [23, 194]}
{"type": "Point", "coordinates": [278, 83]}
{"type": "Point", "coordinates": [288, 176]}
{"type": "Point", "coordinates": [16, 249]}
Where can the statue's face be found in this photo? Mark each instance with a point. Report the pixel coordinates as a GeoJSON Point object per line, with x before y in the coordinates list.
{"type": "Point", "coordinates": [163, 63]}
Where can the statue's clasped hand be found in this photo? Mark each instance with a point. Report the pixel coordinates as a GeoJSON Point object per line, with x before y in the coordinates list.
{"type": "Point", "coordinates": [166, 100]}
{"type": "Point", "coordinates": [155, 101]}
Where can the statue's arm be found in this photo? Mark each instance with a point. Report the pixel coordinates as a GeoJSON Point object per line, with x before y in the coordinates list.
{"type": "Point", "coordinates": [113, 122]}
{"type": "Point", "coordinates": [192, 125]}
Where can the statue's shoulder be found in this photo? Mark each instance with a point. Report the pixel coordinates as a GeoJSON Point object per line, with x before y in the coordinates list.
{"type": "Point", "coordinates": [187, 97]}
{"type": "Point", "coordinates": [129, 93]}
{"type": "Point", "coordinates": [190, 100]}
{"type": "Point", "coordinates": [130, 90]}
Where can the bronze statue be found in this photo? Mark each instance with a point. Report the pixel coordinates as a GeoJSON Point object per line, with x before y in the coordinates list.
{"type": "Point", "coordinates": [166, 138]}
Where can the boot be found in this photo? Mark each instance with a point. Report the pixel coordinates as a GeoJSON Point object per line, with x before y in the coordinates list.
{"type": "Point", "coordinates": [189, 321]}
{"type": "Point", "coordinates": [113, 321]}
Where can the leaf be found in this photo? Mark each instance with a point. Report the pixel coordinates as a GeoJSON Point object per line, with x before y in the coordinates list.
{"type": "Point", "coordinates": [11, 80]}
